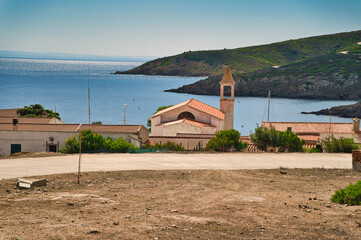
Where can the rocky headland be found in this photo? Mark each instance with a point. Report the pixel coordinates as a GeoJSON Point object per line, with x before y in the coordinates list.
{"type": "Point", "coordinates": [346, 111]}
{"type": "Point", "coordinates": [321, 67]}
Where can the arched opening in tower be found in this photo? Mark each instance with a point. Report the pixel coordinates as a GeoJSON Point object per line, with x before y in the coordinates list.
{"type": "Point", "coordinates": [227, 92]}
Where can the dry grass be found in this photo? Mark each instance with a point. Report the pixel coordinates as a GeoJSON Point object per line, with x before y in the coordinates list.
{"type": "Point", "coordinates": [246, 204]}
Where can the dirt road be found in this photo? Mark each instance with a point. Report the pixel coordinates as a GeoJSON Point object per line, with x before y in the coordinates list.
{"type": "Point", "coordinates": [20, 167]}
{"type": "Point", "coordinates": [182, 204]}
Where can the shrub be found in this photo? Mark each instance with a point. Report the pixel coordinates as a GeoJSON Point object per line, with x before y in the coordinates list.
{"type": "Point", "coordinates": [264, 138]}
{"type": "Point", "coordinates": [94, 142]}
{"type": "Point", "coordinates": [349, 195]}
{"type": "Point", "coordinates": [168, 145]}
{"type": "Point", "coordinates": [315, 150]}
{"type": "Point", "coordinates": [226, 140]}
{"type": "Point", "coordinates": [333, 144]}
{"type": "Point", "coordinates": [71, 146]}
{"type": "Point", "coordinates": [119, 145]}
{"type": "Point", "coordinates": [91, 141]}
{"type": "Point", "coordinates": [289, 141]}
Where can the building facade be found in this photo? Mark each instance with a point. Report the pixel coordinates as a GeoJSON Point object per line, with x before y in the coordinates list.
{"type": "Point", "coordinates": [195, 117]}
{"type": "Point", "coordinates": [315, 132]}
{"type": "Point", "coordinates": [30, 137]}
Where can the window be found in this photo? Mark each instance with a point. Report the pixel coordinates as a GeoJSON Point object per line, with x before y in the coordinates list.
{"type": "Point", "coordinates": [186, 115]}
{"type": "Point", "coordinates": [15, 148]}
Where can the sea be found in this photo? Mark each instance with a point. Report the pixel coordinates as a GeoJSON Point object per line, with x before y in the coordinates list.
{"type": "Point", "coordinates": [62, 85]}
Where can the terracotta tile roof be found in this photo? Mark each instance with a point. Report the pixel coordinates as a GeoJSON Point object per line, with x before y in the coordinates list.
{"type": "Point", "coordinates": [70, 127]}
{"type": "Point", "coordinates": [42, 120]}
{"type": "Point", "coordinates": [227, 77]}
{"type": "Point", "coordinates": [196, 105]}
{"type": "Point", "coordinates": [189, 122]}
{"type": "Point", "coordinates": [312, 127]}
{"type": "Point", "coordinates": [8, 112]}
{"type": "Point", "coordinates": [307, 137]}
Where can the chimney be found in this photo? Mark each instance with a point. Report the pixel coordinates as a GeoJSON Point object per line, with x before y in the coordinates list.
{"type": "Point", "coordinates": [356, 125]}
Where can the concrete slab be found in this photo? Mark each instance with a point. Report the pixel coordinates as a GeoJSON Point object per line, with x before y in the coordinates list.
{"type": "Point", "coordinates": [21, 167]}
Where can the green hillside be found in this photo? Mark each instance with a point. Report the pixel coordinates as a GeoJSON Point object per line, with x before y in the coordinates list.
{"type": "Point", "coordinates": [322, 67]}
{"type": "Point", "coordinates": [242, 60]}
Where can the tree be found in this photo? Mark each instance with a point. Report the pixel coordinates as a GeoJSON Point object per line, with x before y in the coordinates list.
{"type": "Point", "coordinates": [264, 138]}
{"type": "Point", "coordinates": [36, 111]}
{"type": "Point", "coordinates": [226, 140]}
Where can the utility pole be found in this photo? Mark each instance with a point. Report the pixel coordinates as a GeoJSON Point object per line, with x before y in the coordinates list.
{"type": "Point", "coordinates": [125, 105]}
{"type": "Point", "coordinates": [79, 162]}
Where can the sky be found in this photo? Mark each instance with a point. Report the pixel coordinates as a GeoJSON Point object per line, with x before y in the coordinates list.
{"type": "Point", "coordinates": [163, 28]}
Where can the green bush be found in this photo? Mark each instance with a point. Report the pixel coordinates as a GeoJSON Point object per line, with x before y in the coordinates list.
{"type": "Point", "coordinates": [315, 150]}
{"type": "Point", "coordinates": [36, 111]}
{"type": "Point", "coordinates": [350, 195]}
{"type": "Point", "coordinates": [333, 144]}
{"type": "Point", "coordinates": [71, 146]}
{"type": "Point", "coordinates": [168, 145]}
{"type": "Point", "coordinates": [226, 140]}
{"type": "Point", "coordinates": [119, 145]}
{"type": "Point", "coordinates": [264, 138]}
{"type": "Point", "coordinates": [94, 142]}
{"type": "Point", "coordinates": [289, 141]}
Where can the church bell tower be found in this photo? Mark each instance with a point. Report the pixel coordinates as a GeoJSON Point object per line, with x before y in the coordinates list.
{"type": "Point", "coordinates": [227, 104]}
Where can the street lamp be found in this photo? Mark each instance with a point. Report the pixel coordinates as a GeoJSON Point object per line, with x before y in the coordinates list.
{"type": "Point", "coordinates": [125, 105]}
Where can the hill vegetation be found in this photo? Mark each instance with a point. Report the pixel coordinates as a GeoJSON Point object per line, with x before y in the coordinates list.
{"type": "Point", "coordinates": [324, 67]}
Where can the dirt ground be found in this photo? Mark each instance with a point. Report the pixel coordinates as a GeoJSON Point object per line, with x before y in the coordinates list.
{"type": "Point", "coordinates": [32, 155]}
{"type": "Point", "coordinates": [242, 204]}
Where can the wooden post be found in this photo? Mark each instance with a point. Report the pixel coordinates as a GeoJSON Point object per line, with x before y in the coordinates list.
{"type": "Point", "coordinates": [79, 158]}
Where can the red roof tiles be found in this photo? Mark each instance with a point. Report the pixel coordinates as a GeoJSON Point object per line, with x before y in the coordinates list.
{"type": "Point", "coordinates": [196, 105]}
{"type": "Point", "coordinates": [190, 122]}
{"type": "Point", "coordinates": [312, 127]}
{"type": "Point", "coordinates": [70, 127]}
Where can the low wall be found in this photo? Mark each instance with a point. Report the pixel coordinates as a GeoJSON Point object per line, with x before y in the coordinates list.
{"type": "Point", "coordinates": [356, 160]}
{"type": "Point", "coordinates": [189, 143]}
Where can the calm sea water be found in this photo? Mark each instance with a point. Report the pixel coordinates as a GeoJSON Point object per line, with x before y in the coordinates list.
{"type": "Point", "coordinates": [63, 84]}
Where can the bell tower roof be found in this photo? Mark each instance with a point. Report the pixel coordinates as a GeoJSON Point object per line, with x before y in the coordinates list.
{"type": "Point", "coordinates": [227, 77]}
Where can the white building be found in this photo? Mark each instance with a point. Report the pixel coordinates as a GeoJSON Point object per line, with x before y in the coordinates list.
{"type": "Point", "coordinates": [195, 117]}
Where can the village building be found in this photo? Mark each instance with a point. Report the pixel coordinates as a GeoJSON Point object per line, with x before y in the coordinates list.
{"type": "Point", "coordinates": [44, 134]}
{"type": "Point", "coordinates": [8, 116]}
{"type": "Point", "coordinates": [193, 123]}
{"type": "Point", "coordinates": [36, 137]}
{"type": "Point", "coordinates": [315, 132]}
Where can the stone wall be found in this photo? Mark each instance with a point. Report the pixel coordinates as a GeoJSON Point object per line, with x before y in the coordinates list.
{"type": "Point", "coordinates": [356, 160]}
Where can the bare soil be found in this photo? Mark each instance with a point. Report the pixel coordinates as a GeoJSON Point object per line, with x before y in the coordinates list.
{"type": "Point", "coordinates": [31, 155]}
{"type": "Point", "coordinates": [244, 204]}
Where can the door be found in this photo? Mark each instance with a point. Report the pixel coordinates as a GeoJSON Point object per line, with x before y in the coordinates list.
{"type": "Point", "coordinates": [15, 148]}
{"type": "Point", "coordinates": [52, 148]}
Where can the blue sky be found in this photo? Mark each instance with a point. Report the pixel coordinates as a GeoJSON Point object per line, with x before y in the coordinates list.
{"type": "Point", "coordinates": [163, 28]}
